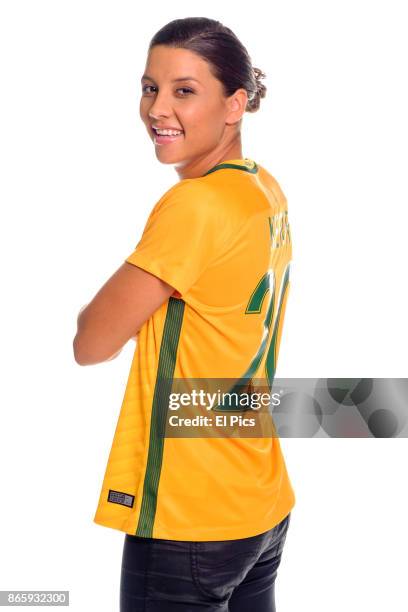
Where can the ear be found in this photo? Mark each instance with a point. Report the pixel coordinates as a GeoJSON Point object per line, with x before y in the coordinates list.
{"type": "Point", "coordinates": [236, 105]}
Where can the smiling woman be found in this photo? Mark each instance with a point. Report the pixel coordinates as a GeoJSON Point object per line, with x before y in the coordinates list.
{"type": "Point", "coordinates": [205, 290]}
{"type": "Point", "coordinates": [192, 102]}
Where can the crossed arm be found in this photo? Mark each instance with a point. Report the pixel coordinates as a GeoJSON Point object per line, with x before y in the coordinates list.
{"type": "Point", "coordinates": [117, 312]}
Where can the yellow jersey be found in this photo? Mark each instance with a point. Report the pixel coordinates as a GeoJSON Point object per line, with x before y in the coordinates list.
{"type": "Point", "coordinates": [222, 240]}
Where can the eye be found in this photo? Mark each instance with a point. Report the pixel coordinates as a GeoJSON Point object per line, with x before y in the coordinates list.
{"type": "Point", "coordinates": [185, 89]}
{"type": "Point", "coordinates": [145, 87]}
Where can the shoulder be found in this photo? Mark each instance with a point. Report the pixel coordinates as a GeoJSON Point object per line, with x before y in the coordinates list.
{"type": "Point", "coordinates": [196, 196]}
{"type": "Point", "coordinates": [188, 188]}
{"type": "Point", "coordinates": [273, 185]}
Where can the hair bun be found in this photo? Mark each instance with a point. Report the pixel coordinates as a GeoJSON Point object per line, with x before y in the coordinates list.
{"type": "Point", "coordinates": [259, 74]}
{"type": "Point", "coordinates": [254, 101]}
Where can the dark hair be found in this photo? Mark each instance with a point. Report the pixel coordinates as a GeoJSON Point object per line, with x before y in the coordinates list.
{"type": "Point", "coordinates": [227, 57]}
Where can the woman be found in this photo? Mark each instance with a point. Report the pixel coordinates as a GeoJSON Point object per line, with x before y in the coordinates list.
{"type": "Point", "coordinates": [204, 294]}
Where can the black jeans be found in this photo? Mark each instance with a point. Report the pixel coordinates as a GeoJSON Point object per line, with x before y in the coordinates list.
{"type": "Point", "coordinates": [183, 576]}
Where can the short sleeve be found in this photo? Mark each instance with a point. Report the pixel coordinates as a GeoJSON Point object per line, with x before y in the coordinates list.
{"type": "Point", "coordinates": [184, 233]}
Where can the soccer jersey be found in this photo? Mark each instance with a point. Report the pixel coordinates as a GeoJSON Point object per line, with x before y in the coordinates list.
{"type": "Point", "coordinates": [222, 240]}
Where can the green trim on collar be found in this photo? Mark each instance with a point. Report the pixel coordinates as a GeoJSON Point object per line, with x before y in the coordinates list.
{"type": "Point", "coordinates": [252, 170]}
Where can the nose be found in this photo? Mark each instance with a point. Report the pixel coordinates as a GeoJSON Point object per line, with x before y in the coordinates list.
{"type": "Point", "coordinates": [160, 107]}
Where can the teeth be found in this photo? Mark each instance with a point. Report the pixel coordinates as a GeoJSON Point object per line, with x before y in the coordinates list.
{"type": "Point", "coordinates": [168, 132]}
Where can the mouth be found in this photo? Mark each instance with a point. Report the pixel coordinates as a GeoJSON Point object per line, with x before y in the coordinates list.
{"type": "Point", "coordinates": [165, 139]}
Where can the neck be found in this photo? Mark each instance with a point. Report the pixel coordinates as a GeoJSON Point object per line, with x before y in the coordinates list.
{"type": "Point", "coordinates": [198, 167]}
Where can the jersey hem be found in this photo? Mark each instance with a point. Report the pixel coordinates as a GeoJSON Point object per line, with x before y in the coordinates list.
{"type": "Point", "coordinates": [246, 530]}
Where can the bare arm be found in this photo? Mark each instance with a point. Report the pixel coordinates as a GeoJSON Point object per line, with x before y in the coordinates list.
{"type": "Point", "coordinates": [117, 312]}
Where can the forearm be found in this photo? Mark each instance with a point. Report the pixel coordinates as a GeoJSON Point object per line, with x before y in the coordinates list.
{"type": "Point", "coordinates": [80, 315]}
{"type": "Point", "coordinates": [82, 321]}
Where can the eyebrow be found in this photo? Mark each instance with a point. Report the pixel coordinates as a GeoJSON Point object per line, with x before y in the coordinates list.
{"type": "Point", "coordinates": [186, 78]}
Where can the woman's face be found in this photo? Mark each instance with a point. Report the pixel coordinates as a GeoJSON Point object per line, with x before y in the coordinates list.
{"type": "Point", "coordinates": [207, 119]}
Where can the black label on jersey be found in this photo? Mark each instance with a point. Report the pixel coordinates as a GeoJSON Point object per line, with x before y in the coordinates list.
{"type": "Point", "coordinates": [117, 497]}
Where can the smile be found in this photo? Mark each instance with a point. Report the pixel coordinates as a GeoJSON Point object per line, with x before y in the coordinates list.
{"type": "Point", "coordinates": [166, 137]}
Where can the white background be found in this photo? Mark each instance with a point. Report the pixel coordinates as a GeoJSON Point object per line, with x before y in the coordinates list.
{"type": "Point", "coordinates": [79, 177]}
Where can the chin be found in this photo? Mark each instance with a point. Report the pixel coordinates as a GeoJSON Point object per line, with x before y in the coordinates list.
{"type": "Point", "coordinates": [167, 157]}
